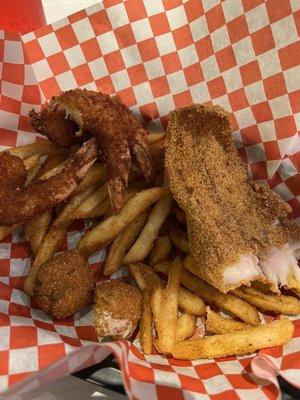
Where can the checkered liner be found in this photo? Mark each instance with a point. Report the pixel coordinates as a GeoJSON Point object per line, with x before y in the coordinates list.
{"type": "Point", "coordinates": [156, 55]}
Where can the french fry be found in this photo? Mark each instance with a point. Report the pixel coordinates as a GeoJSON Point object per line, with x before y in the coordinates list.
{"type": "Point", "coordinates": [67, 215]}
{"type": "Point", "coordinates": [32, 173]}
{"type": "Point", "coordinates": [100, 210]}
{"type": "Point", "coordinates": [228, 302]}
{"type": "Point", "coordinates": [43, 147]}
{"type": "Point", "coordinates": [31, 161]}
{"type": "Point", "coordinates": [128, 195]}
{"type": "Point", "coordinates": [48, 248]}
{"type": "Point", "coordinates": [215, 323]}
{"type": "Point", "coordinates": [53, 160]}
{"type": "Point", "coordinates": [246, 341]}
{"type": "Point", "coordinates": [145, 324]}
{"type": "Point", "coordinates": [109, 211]}
{"type": "Point", "coordinates": [108, 229]}
{"type": "Point", "coordinates": [156, 300]}
{"type": "Point", "coordinates": [179, 239]}
{"type": "Point", "coordinates": [167, 318]}
{"type": "Point", "coordinates": [54, 171]}
{"type": "Point", "coordinates": [122, 243]}
{"type": "Point", "coordinates": [36, 229]}
{"type": "Point", "coordinates": [277, 303]}
{"type": "Point", "coordinates": [155, 136]}
{"type": "Point", "coordinates": [142, 247]}
{"type": "Point", "coordinates": [180, 214]}
{"type": "Point", "coordinates": [186, 325]}
{"type": "Point", "coordinates": [160, 250]}
{"type": "Point", "coordinates": [89, 204]}
{"type": "Point", "coordinates": [145, 277]}
{"type": "Point", "coordinates": [95, 174]}
{"type": "Point", "coordinates": [190, 303]}
{"type": "Point", "coordinates": [104, 208]}
{"type": "Point", "coordinates": [262, 287]}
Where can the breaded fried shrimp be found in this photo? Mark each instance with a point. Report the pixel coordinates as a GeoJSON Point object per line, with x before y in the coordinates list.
{"type": "Point", "coordinates": [19, 204]}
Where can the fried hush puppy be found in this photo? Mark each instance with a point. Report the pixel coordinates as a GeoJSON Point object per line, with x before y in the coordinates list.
{"type": "Point", "coordinates": [117, 310]}
{"type": "Point", "coordinates": [65, 284]}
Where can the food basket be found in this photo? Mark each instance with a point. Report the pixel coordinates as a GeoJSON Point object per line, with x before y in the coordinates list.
{"type": "Point", "coordinates": [242, 55]}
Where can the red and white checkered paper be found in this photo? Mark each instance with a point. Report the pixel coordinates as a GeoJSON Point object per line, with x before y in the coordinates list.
{"type": "Point", "coordinates": [156, 55]}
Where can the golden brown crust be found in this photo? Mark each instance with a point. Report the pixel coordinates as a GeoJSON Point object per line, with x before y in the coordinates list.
{"type": "Point", "coordinates": [116, 130]}
{"type": "Point", "coordinates": [215, 323]}
{"type": "Point", "coordinates": [12, 172]}
{"type": "Point", "coordinates": [64, 285]}
{"type": "Point", "coordinates": [116, 302]}
{"type": "Point", "coordinates": [227, 214]}
{"type": "Point", "coordinates": [77, 114]}
{"type": "Point", "coordinates": [54, 125]}
{"type": "Point", "coordinates": [19, 204]}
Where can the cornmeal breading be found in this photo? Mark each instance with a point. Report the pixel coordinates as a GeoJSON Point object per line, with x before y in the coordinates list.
{"type": "Point", "coordinates": [228, 215]}
{"type": "Point", "coordinates": [65, 284]}
{"type": "Point", "coordinates": [117, 309]}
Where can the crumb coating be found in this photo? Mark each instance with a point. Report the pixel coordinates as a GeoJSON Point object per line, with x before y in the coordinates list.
{"type": "Point", "coordinates": [227, 213]}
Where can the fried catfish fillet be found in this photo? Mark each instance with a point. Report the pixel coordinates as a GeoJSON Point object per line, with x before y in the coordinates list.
{"type": "Point", "coordinates": [236, 227]}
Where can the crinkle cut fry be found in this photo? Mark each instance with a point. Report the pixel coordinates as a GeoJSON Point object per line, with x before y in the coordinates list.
{"type": "Point", "coordinates": [227, 214]}
{"type": "Point", "coordinates": [117, 131]}
{"type": "Point", "coordinates": [19, 204]}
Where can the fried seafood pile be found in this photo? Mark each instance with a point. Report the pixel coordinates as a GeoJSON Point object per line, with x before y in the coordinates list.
{"type": "Point", "coordinates": [77, 114]}
{"type": "Point", "coordinates": [19, 202]}
{"type": "Point", "coordinates": [176, 209]}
